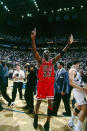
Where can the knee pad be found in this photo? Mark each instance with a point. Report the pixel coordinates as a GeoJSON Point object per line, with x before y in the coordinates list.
{"type": "Point", "coordinates": [76, 110]}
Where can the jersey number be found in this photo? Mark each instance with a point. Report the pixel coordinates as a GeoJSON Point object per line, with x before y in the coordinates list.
{"type": "Point", "coordinates": [47, 74]}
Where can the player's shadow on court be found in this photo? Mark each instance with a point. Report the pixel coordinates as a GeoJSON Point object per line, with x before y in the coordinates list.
{"type": "Point", "coordinates": [9, 128]}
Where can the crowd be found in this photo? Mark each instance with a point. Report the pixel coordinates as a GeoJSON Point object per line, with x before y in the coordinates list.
{"type": "Point", "coordinates": [22, 57]}
{"type": "Point", "coordinates": [43, 38]}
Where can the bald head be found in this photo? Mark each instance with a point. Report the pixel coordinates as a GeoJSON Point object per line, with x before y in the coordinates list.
{"type": "Point", "coordinates": [46, 54]}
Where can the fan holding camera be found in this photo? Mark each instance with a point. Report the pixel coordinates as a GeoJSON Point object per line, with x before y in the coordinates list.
{"type": "Point", "coordinates": [18, 77]}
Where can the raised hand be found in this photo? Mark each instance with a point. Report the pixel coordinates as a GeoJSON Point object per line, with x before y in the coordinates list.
{"type": "Point", "coordinates": [33, 34]}
{"type": "Point", "coordinates": [71, 39]}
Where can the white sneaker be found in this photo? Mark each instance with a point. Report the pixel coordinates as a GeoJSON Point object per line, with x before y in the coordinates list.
{"type": "Point", "coordinates": [12, 103]}
{"type": "Point", "coordinates": [71, 125]}
{"type": "Point", "coordinates": [74, 128]}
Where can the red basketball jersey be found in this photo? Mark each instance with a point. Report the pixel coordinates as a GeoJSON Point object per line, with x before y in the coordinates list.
{"type": "Point", "coordinates": [46, 71]}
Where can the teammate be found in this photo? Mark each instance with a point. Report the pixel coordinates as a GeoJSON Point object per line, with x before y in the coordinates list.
{"type": "Point", "coordinates": [80, 96]}
{"type": "Point", "coordinates": [45, 85]}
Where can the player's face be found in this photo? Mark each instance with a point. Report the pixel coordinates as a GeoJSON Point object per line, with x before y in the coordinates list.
{"type": "Point", "coordinates": [59, 66]}
{"type": "Point", "coordinates": [77, 65]}
{"type": "Point", "coordinates": [18, 67]}
{"type": "Point", "coordinates": [46, 54]}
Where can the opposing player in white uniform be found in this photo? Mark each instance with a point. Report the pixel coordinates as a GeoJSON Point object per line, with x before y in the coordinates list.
{"type": "Point", "coordinates": [80, 96]}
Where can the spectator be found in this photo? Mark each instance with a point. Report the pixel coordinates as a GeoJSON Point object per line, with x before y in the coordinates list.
{"type": "Point", "coordinates": [18, 77]}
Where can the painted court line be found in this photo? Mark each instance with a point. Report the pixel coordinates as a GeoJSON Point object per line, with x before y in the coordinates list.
{"type": "Point", "coordinates": [31, 113]}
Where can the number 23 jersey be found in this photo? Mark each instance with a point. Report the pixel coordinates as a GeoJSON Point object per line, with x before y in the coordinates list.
{"type": "Point", "coordinates": [46, 71]}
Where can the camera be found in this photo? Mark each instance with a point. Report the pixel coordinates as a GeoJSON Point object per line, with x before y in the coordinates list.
{"type": "Point", "coordinates": [17, 75]}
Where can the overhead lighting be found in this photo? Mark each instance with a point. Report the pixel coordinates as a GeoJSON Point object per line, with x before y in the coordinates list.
{"type": "Point", "coordinates": [64, 9]}
{"type": "Point", "coordinates": [60, 9]}
{"type": "Point", "coordinates": [52, 11]}
{"type": "Point", "coordinates": [22, 16]}
{"type": "Point", "coordinates": [5, 7]}
{"type": "Point", "coordinates": [1, 3]}
{"type": "Point", "coordinates": [35, 2]}
{"type": "Point", "coordinates": [38, 9]}
{"type": "Point", "coordinates": [68, 9]}
{"type": "Point", "coordinates": [73, 8]}
{"type": "Point", "coordinates": [36, 5]}
{"type": "Point", "coordinates": [29, 15]}
{"type": "Point", "coordinates": [8, 10]}
{"type": "Point", "coordinates": [45, 12]}
{"type": "Point", "coordinates": [81, 6]}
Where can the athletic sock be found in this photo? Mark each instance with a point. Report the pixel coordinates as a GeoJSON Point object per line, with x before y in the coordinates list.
{"type": "Point", "coordinates": [71, 121]}
{"type": "Point", "coordinates": [35, 124]}
{"type": "Point", "coordinates": [79, 126]}
{"type": "Point", "coordinates": [46, 126]}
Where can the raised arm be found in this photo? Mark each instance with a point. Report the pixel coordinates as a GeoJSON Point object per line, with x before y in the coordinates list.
{"type": "Point", "coordinates": [35, 52]}
{"type": "Point", "coordinates": [70, 41]}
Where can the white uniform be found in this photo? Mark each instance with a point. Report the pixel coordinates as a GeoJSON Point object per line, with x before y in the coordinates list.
{"type": "Point", "coordinates": [79, 95]}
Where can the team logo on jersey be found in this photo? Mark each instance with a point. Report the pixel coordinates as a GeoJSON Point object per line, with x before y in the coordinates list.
{"type": "Point", "coordinates": [47, 67]}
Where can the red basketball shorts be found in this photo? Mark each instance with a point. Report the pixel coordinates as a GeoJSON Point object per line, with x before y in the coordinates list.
{"type": "Point", "coordinates": [45, 90]}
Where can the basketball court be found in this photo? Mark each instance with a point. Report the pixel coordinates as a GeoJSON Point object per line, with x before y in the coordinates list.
{"type": "Point", "coordinates": [16, 119]}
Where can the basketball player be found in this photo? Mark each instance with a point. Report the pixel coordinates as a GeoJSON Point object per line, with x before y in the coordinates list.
{"type": "Point", "coordinates": [45, 85]}
{"type": "Point", "coordinates": [80, 96]}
